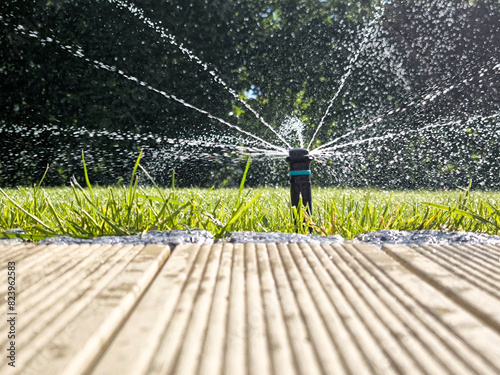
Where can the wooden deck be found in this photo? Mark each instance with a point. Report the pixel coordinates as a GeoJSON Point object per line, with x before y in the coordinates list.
{"type": "Point", "coordinates": [253, 309]}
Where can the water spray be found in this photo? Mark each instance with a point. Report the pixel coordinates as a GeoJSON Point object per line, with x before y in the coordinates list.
{"type": "Point", "coordinates": [300, 177]}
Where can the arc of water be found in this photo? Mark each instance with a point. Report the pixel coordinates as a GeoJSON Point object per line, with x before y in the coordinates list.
{"type": "Point", "coordinates": [139, 13]}
{"type": "Point", "coordinates": [420, 103]}
{"type": "Point", "coordinates": [332, 100]}
{"type": "Point", "coordinates": [366, 126]}
{"type": "Point", "coordinates": [248, 150]}
{"type": "Point", "coordinates": [352, 62]}
{"type": "Point", "coordinates": [80, 54]}
{"type": "Point", "coordinates": [189, 105]}
{"type": "Point", "coordinates": [121, 135]}
{"type": "Point", "coordinates": [331, 150]}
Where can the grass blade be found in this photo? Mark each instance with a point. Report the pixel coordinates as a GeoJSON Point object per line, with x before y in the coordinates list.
{"type": "Point", "coordinates": [15, 204]}
{"type": "Point", "coordinates": [87, 180]}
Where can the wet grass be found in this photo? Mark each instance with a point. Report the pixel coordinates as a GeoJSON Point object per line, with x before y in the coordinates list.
{"type": "Point", "coordinates": [90, 211]}
{"type": "Point", "coordinates": [81, 212]}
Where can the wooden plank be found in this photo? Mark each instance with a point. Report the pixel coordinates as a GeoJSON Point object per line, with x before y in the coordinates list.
{"type": "Point", "coordinates": [432, 353]}
{"type": "Point", "coordinates": [258, 347]}
{"type": "Point", "coordinates": [35, 276]}
{"type": "Point", "coordinates": [361, 336]}
{"type": "Point", "coordinates": [468, 295]}
{"type": "Point", "coordinates": [235, 356]}
{"type": "Point", "coordinates": [482, 253]}
{"type": "Point", "coordinates": [279, 346]}
{"type": "Point", "coordinates": [372, 313]}
{"type": "Point", "coordinates": [193, 340]}
{"type": "Point", "coordinates": [44, 301]}
{"type": "Point", "coordinates": [134, 347]}
{"type": "Point", "coordinates": [28, 255]}
{"type": "Point", "coordinates": [257, 309]}
{"type": "Point", "coordinates": [171, 346]}
{"type": "Point", "coordinates": [304, 354]}
{"type": "Point", "coordinates": [88, 324]}
{"type": "Point", "coordinates": [44, 258]}
{"type": "Point", "coordinates": [212, 360]}
{"type": "Point", "coordinates": [324, 347]}
{"type": "Point", "coordinates": [106, 313]}
{"type": "Point", "coordinates": [322, 287]}
{"type": "Point", "coordinates": [437, 321]}
{"type": "Point", "coordinates": [493, 249]}
{"type": "Point", "coordinates": [473, 269]}
{"type": "Point", "coordinates": [51, 335]}
{"type": "Point", "coordinates": [15, 252]}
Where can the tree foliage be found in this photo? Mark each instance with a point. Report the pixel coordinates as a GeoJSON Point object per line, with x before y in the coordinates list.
{"type": "Point", "coordinates": [64, 88]}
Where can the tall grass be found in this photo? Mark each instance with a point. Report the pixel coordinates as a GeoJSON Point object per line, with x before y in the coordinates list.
{"type": "Point", "coordinates": [90, 211]}
{"type": "Point", "coordinates": [350, 214]}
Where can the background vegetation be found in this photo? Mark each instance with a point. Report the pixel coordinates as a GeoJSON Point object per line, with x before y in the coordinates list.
{"type": "Point", "coordinates": [285, 57]}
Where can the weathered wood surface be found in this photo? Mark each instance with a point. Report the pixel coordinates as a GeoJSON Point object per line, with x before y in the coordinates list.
{"type": "Point", "coordinates": [254, 309]}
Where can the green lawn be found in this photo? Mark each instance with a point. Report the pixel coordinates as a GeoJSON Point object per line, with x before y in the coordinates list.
{"type": "Point", "coordinates": [94, 211]}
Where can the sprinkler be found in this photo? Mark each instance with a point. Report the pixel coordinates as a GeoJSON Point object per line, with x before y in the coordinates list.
{"type": "Point", "coordinates": [300, 181]}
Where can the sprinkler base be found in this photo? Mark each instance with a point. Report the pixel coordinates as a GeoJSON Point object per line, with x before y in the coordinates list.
{"type": "Point", "coordinates": [300, 181]}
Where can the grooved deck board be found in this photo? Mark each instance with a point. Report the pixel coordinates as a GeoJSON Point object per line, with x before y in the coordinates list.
{"type": "Point", "coordinates": [255, 309]}
{"type": "Point", "coordinates": [65, 322]}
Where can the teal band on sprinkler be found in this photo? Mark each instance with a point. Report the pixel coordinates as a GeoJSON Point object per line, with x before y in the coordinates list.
{"type": "Point", "coordinates": [300, 173]}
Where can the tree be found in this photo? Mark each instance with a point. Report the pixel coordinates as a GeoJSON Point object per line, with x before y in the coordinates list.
{"type": "Point", "coordinates": [109, 79]}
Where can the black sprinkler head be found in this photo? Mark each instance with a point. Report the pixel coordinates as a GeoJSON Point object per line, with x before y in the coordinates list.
{"type": "Point", "coordinates": [300, 180]}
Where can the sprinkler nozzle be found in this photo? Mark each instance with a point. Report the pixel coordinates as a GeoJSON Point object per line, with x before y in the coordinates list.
{"type": "Point", "coordinates": [300, 181]}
